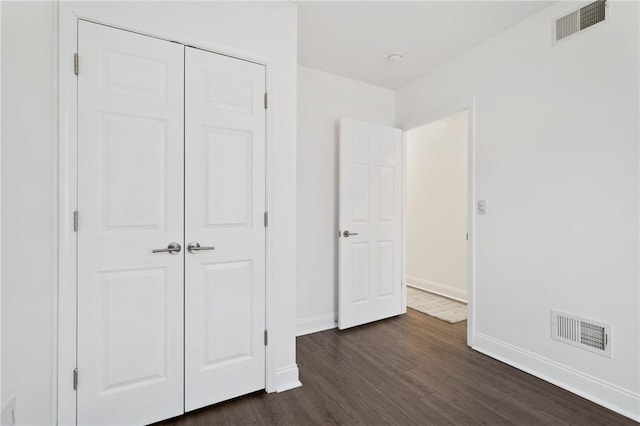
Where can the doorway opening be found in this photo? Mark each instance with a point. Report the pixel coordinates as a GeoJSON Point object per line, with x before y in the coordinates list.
{"type": "Point", "coordinates": [437, 217]}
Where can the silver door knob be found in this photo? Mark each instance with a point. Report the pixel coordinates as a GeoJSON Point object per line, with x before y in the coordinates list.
{"type": "Point", "coordinates": [173, 248]}
{"type": "Point", "coordinates": [347, 234]}
{"type": "Point", "coordinates": [196, 247]}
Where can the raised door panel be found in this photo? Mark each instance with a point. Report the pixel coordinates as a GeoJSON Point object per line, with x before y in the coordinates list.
{"type": "Point", "coordinates": [359, 272]}
{"type": "Point", "coordinates": [228, 92]}
{"type": "Point", "coordinates": [134, 171]}
{"type": "Point", "coordinates": [225, 344]}
{"type": "Point", "coordinates": [134, 74]}
{"type": "Point", "coordinates": [224, 207]}
{"type": "Point", "coordinates": [228, 166]}
{"type": "Point", "coordinates": [360, 183]}
{"type": "Point", "coordinates": [124, 293]}
{"type": "Point", "coordinates": [130, 201]}
{"type": "Point", "coordinates": [387, 268]}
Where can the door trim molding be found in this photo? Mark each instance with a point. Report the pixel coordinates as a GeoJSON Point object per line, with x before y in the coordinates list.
{"type": "Point", "coordinates": [66, 173]}
{"type": "Point", "coordinates": [469, 106]}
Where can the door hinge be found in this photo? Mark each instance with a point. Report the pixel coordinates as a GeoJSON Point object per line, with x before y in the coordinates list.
{"type": "Point", "coordinates": [266, 219]}
{"type": "Point", "coordinates": [75, 221]}
{"type": "Point", "coordinates": [266, 338]}
{"type": "Point", "coordinates": [75, 379]}
{"type": "Point", "coordinates": [75, 63]}
{"type": "Point", "coordinates": [266, 100]}
{"type": "Point", "coordinates": [467, 236]}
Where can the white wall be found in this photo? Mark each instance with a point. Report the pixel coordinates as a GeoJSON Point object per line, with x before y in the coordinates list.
{"type": "Point", "coordinates": [29, 159]}
{"type": "Point", "coordinates": [2, 418]}
{"type": "Point", "coordinates": [2, 421]}
{"type": "Point", "coordinates": [557, 136]}
{"type": "Point", "coordinates": [322, 99]}
{"type": "Point", "coordinates": [436, 212]}
{"type": "Point", "coordinates": [28, 208]}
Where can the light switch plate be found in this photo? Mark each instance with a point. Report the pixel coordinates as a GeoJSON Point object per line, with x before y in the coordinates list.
{"type": "Point", "coordinates": [481, 207]}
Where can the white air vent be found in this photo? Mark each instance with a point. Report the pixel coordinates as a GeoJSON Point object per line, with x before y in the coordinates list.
{"type": "Point", "coordinates": [581, 332]}
{"type": "Point", "coordinates": [579, 20]}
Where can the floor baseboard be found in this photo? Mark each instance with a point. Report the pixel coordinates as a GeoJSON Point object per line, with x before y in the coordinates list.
{"type": "Point", "coordinates": [317, 323]}
{"type": "Point", "coordinates": [438, 288]}
{"type": "Point", "coordinates": [613, 397]}
{"type": "Point", "coordinates": [287, 378]}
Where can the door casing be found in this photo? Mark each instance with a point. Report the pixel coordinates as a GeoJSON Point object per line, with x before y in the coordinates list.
{"type": "Point", "coordinates": [67, 184]}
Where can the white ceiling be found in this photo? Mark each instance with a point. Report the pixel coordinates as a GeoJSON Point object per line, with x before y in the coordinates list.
{"type": "Point", "coordinates": [353, 39]}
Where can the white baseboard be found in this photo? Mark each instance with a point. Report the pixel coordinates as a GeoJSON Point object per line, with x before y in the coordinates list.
{"type": "Point", "coordinates": [287, 378]}
{"type": "Point", "coordinates": [613, 397]}
{"type": "Point", "coordinates": [445, 290]}
{"type": "Point", "coordinates": [315, 324]}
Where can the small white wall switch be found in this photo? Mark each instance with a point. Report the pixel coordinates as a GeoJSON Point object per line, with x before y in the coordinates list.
{"type": "Point", "coordinates": [481, 207]}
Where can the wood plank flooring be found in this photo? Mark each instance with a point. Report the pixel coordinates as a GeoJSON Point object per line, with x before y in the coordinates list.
{"type": "Point", "coordinates": [408, 370]}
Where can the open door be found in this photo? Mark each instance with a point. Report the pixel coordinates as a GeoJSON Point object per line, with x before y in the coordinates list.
{"type": "Point", "coordinates": [370, 232]}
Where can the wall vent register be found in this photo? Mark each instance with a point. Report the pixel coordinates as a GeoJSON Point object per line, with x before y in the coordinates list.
{"type": "Point", "coordinates": [579, 20]}
{"type": "Point", "coordinates": [580, 332]}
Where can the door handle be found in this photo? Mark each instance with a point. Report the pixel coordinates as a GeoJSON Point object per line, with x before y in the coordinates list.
{"type": "Point", "coordinates": [347, 234]}
{"type": "Point", "coordinates": [173, 248]}
{"type": "Point", "coordinates": [195, 248]}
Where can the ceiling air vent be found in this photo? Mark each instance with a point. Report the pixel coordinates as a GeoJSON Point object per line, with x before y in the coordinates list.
{"type": "Point", "coordinates": [580, 332]}
{"type": "Point", "coordinates": [579, 20]}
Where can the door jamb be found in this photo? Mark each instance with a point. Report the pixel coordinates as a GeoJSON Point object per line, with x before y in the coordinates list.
{"type": "Point", "coordinates": [469, 106]}
{"type": "Point", "coordinates": [66, 165]}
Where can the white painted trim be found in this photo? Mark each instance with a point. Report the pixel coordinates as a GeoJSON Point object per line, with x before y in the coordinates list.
{"type": "Point", "coordinates": [287, 378]}
{"type": "Point", "coordinates": [441, 289]}
{"type": "Point", "coordinates": [616, 398]}
{"type": "Point", "coordinates": [276, 380]}
{"type": "Point", "coordinates": [469, 106]}
{"type": "Point", "coordinates": [270, 241]}
{"type": "Point", "coordinates": [1, 400]}
{"type": "Point", "coordinates": [316, 323]}
{"type": "Point", "coordinates": [55, 209]}
{"type": "Point", "coordinates": [67, 204]}
{"type": "Point", "coordinates": [403, 218]}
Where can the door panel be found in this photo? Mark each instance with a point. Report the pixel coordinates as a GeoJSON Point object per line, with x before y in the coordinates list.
{"type": "Point", "coordinates": [224, 207]}
{"type": "Point", "coordinates": [228, 180]}
{"type": "Point", "coordinates": [130, 201]}
{"type": "Point", "coordinates": [223, 282]}
{"type": "Point", "coordinates": [370, 206]}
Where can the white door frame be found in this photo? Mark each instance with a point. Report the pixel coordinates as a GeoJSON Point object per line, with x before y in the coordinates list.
{"type": "Point", "coordinates": [469, 106]}
{"type": "Point", "coordinates": [68, 198]}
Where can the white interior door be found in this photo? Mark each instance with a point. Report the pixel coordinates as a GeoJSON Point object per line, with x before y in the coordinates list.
{"type": "Point", "coordinates": [370, 222]}
{"type": "Point", "coordinates": [130, 201]}
{"type": "Point", "coordinates": [224, 208]}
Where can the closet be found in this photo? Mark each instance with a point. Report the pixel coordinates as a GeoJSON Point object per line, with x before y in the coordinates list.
{"type": "Point", "coordinates": [171, 236]}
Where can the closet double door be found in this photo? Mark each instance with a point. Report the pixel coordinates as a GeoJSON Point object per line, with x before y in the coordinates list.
{"type": "Point", "coordinates": [171, 239]}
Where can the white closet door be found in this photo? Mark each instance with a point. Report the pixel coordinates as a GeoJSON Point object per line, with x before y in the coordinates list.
{"type": "Point", "coordinates": [224, 207]}
{"type": "Point", "coordinates": [370, 276]}
{"type": "Point", "coordinates": [130, 201]}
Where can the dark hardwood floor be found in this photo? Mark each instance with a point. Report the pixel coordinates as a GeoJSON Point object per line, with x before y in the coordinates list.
{"type": "Point", "coordinates": [408, 370]}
